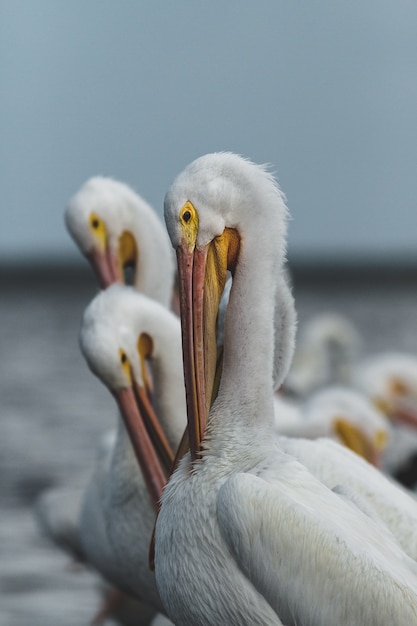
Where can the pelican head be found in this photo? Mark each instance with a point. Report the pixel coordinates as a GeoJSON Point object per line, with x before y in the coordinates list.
{"type": "Point", "coordinates": [209, 209]}
{"type": "Point", "coordinates": [99, 220]}
{"type": "Point", "coordinates": [117, 338]}
{"type": "Point", "coordinates": [113, 226]}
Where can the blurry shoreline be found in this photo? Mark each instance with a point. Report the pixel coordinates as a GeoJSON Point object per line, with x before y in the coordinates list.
{"type": "Point", "coordinates": [304, 272]}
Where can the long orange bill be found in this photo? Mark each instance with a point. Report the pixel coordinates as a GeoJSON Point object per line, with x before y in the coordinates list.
{"type": "Point", "coordinates": [185, 261]}
{"type": "Point", "coordinates": [106, 266]}
{"type": "Point", "coordinates": [154, 429]}
{"type": "Point", "coordinates": [202, 276]}
{"type": "Point", "coordinates": [145, 453]}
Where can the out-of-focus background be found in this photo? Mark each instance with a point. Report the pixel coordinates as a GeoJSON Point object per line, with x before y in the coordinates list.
{"type": "Point", "coordinates": [325, 92]}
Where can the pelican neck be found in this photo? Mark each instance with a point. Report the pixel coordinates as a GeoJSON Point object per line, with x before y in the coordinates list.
{"type": "Point", "coordinates": [247, 380]}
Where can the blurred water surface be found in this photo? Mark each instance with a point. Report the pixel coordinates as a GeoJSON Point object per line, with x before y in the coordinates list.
{"type": "Point", "coordinates": [53, 411]}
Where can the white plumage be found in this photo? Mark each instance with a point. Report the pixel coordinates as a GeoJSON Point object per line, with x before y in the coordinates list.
{"type": "Point", "coordinates": [113, 323]}
{"type": "Point", "coordinates": [246, 535]}
{"type": "Point", "coordinates": [71, 518]}
{"type": "Point", "coordinates": [114, 227]}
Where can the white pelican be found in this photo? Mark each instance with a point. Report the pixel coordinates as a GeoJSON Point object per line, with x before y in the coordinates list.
{"type": "Point", "coordinates": [341, 413]}
{"type": "Point", "coordinates": [115, 228]}
{"type": "Point", "coordinates": [328, 351]}
{"type": "Point", "coordinates": [245, 534]}
{"type": "Point", "coordinates": [120, 330]}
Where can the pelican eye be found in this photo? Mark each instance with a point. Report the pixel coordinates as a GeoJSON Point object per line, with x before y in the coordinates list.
{"type": "Point", "coordinates": [189, 223]}
{"type": "Point", "coordinates": [98, 228]}
{"type": "Point", "coordinates": [188, 214]}
{"type": "Point", "coordinates": [125, 365]}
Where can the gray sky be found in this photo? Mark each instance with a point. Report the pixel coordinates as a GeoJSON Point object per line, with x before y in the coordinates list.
{"type": "Point", "coordinates": [325, 91]}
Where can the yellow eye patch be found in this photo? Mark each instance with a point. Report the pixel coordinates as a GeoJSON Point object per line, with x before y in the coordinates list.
{"type": "Point", "coordinates": [189, 222]}
{"type": "Point", "coordinates": [125, 365]}
{"type": "Point", "coordinates": [98, 228]}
